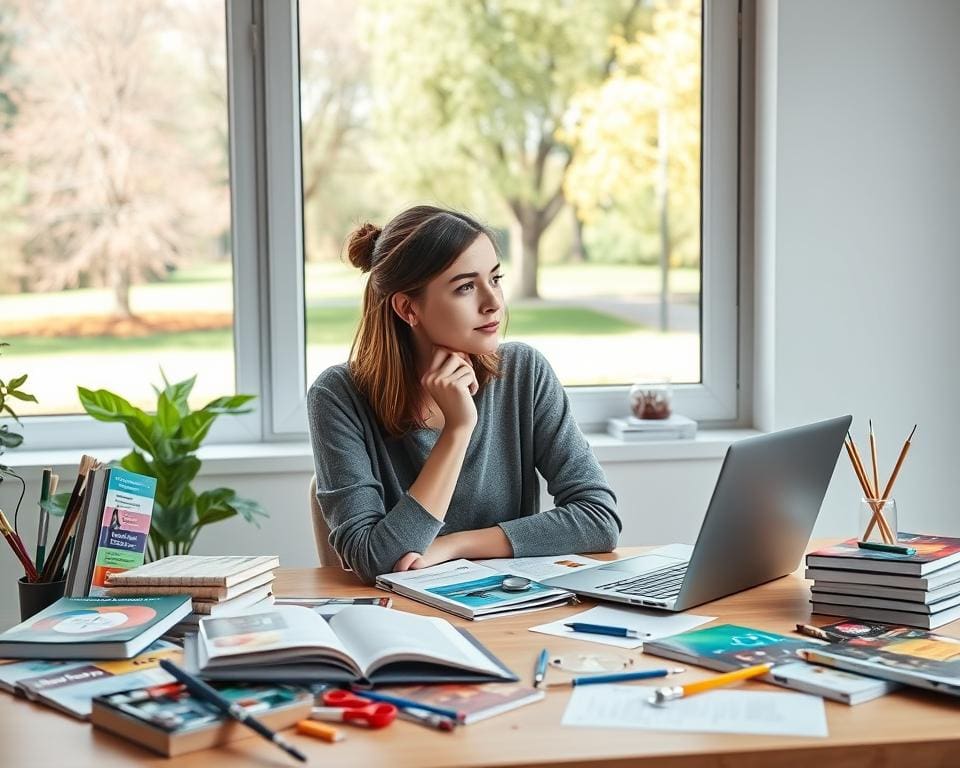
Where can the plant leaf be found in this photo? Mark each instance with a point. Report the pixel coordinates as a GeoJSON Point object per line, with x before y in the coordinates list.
{"type": "Point", "coordinates": [17, 382]}
{"type": "Point", "coordinates": [137, 462]}
{"type": "Point", "coordinates": [229, 404]}
{"type": "Point", "coordinates": [9, 439]}
{"type": "Point", "coordinates": [179, 393]}
{"type": "Point", "coordinates": [168, 417]}
{"type": "Point", "coordinates": [21, 396]}
{"type": "Point", "coordinates": [195, 427]}
{"type": "Point", "coordinates": [56, 505]}
{"type": "Point", "coordinates": [249, 509]}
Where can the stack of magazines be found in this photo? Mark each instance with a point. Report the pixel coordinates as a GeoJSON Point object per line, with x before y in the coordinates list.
{"type": "Point", "coordinates": [632, 429]}
{"type": "Point", "coordinates": [218, 586]}
{"type": "Point", "coordinates": [916, 590]}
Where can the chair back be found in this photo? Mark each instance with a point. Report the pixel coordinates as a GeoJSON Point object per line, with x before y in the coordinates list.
{"type": "Point", "coordinates": [321, 531]}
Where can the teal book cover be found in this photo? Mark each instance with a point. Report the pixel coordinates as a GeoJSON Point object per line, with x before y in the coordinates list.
{"type": "Point", "coordinates": [75, 620]}
{"type": "Point", "coordinates": [731, 645]}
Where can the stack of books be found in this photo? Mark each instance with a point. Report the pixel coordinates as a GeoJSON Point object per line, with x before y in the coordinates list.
{"type": "Point", "coordinates": [632, 429]}
{"type": "Point", "coordinates": [218, 586]}
{"type": "Point", "coordinates": [916, 590]}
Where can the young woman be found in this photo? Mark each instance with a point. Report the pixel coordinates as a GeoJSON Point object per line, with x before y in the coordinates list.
{"type": "Point", "coordinates": [427, 444]}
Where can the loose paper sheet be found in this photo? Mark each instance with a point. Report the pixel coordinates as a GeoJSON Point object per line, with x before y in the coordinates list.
{"type": "Point", "coordinates": [720, 711]}
{"type": "Point", "coordinates": [651, 624]}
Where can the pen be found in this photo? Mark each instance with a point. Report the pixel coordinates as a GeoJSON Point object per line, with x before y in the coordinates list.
{"type": "Point", "coordinates": [428, 719]}
{"type": "Point", "coordinates": [809, 631]}
{"type": "Point", "coordinates": [402, 703]}
{"type": "Point", "coordinates": [540, 671]}
{"type": "Point", "coordinates": [203, 691]}
{"type": "Point", "coordinates": [603, 629]}
{"type": "Point", "coordinates": [669, 693]}
{"type": "Point", "coordinates": [622, 677]}
{"type": "Point", "coordinates": [897, 549]}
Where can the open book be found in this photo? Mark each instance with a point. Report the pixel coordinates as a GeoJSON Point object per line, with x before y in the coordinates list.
{"type": "Point", "coordinates": [361, 644]}
{"type": "Point", "coordinates": [471, 590]}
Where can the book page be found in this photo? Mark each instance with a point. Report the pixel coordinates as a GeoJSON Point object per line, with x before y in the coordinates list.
{"type": "Point", "coordinates": [379, 636]}
{"type": "Point", "coordinates": [539, 568]}
{"type": "Point", "coordinates": [280, 634]}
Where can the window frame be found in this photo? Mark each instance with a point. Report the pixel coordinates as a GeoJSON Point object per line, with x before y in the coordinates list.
{"type": "Point", "coordinates": [267, 241]}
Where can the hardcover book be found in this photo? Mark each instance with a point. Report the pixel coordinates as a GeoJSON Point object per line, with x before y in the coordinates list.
{"type": "Point", "coordinates": [94, 627]}
{"type": "Point", "coordinates": [360, 644]}
{"type": "Point", "coordinates": [903, 654]}
{"type": "Point", "coordinates": [933, 553]}
{"type": "Point", "coordinates": [936, 580]}
{"type": "Point", "coordinates": [170, 721]}
{"type": "Point", "coordinates": [727, 646]}
{"type": "Point", "coordinates": [910, 618]}
{"type": "Point", "coordinates": [197, 571]}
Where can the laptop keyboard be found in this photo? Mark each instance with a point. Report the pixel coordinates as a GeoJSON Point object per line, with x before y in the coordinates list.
{"type": "Point", "coordinates": [662, 584]}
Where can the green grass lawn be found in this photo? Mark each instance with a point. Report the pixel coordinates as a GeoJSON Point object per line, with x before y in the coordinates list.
{"type": "Point", "coordinates": [332, 315]}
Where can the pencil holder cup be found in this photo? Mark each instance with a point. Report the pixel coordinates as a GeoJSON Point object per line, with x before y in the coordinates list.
{"type": "Point", "coordinates": [35, 596]}
{"type": "Point", "coordinates": [877, 521]}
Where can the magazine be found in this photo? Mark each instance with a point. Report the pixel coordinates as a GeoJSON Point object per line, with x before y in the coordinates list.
{"type": "Point", "coordinates": [360, 644]}
{"type": "Point", "coordinates": [932, 554]}
{"type": "Point", "coordinates": [470, 590]}
{"type": "Point", "coordinates": [472, 703]}
{"type": "Point", "coordinates": [904, 654]}
{"type": "Point", "coordinates": [71, 686]}
{"type": "Point", "coordinates": [727, 646]}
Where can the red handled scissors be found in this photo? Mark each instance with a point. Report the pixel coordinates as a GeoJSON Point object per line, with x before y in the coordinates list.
{"type": "Point", "coordinates": [346, 707]}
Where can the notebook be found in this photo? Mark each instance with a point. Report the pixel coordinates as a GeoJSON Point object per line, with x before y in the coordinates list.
{"type": "Point", "coordinates": [170, 721]}
{"type": "Point", "coordinates": [728, 646]}
{"type": "Point", "coordinates": [361, 644]}
{"type": "Point", "coordinates": [94, 627]}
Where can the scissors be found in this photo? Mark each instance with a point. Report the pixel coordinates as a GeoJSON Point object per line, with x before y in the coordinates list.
{"type": "Point", "coordinates": [346, 707]}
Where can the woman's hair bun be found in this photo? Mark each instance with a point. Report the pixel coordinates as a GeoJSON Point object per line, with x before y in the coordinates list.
{"type": "Point", "coordinates": [360, 246]}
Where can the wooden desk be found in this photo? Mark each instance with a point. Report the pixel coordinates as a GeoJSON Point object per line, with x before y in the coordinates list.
{"type": "Point", "coordinates": [904, 728]}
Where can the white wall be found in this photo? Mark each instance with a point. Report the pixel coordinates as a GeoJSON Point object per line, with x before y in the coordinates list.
{"type": "Point", "coordinates": [867, 232]}
{"type": "Point", "coordinates": [858, 255]}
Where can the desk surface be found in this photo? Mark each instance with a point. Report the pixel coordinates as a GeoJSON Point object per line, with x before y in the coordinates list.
{"type": "Point", "coordinates": [903, 728]}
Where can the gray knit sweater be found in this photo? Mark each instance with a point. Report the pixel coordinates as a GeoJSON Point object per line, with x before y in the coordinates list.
{"type": "Point", "coordinates": [524, 425]}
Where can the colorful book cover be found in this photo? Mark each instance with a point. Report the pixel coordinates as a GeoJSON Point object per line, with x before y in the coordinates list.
{"type": "Point", "coordinates": [729, 646]}
{"type": "Point", "coordinates": [473, 702]}
{"type": "Point", "coordinates": [124, 527]}
{"type": "Point", "coordinates": [80, 620]}
{"type": "Point", "coordinates": [486, 592]}
{"type": "Point", "coordinates": [930, 549]}
{"type": "Point", "coordinates": [71, 687]}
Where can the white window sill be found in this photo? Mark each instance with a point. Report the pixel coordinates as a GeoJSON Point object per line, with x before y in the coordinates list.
{"type": "Point", "coordinates": [296, 457]}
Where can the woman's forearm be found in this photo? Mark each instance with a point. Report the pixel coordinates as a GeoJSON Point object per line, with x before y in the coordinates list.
{"type": "Point", "coordinates": [435, 484]}
{"type": "Point", "coordinates": [479, 544]}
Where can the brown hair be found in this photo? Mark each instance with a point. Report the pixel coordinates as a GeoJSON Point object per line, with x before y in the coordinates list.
{"type": "Point", "coordinates": [416, 246]}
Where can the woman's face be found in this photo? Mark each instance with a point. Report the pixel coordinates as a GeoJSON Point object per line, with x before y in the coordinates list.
{"type": "Point", "coordinates": [462, 307]}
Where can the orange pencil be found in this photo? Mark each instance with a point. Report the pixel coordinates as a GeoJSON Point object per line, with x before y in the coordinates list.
{"type": "Point", "coordinates": [671, 692]}
{"type": "Point", "coordinates": [868, 493]}
{"type": "Point", "coordinates": [873, 461]}
{"type": "Point", "coordinates": [319, 730]}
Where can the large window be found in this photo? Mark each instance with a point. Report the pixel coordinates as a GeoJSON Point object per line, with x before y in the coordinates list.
{"type": "Point", "coordinates": [573, 129]}
{"type": "Point", "coordinates": [116, 251]}
{"type": "Point", "coordinates": [167, 161]}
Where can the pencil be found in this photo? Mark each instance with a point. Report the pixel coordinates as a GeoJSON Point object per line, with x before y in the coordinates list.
{"type": "Point", "coordinates": [873, 461]}
{"type": "Point", "coordinates": [865, 485]}
{"type": "Point", "coordinates": [896, 471]}
{"type": "Point", "coordinates": [669, 693]}
{"type": "Point", "coordinates": [17, 546]}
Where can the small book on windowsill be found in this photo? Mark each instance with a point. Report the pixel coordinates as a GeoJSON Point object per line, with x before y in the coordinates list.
{"type": "Point", "coordinates": [361, 644]}
{"type": "Point", "coordinates": [631, 429]}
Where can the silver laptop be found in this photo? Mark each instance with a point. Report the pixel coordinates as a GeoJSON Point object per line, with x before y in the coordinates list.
{"type": "Point", "coordinates": [758, 523]}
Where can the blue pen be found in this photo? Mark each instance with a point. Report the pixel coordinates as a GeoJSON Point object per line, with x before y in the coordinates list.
{"type": "Point", "coordinates": [623, 677]}
{"type": "Point", "coordinates": [402, 703]}
{"type": "Point", "coordinates": [540, 671]}
{"type": "Point", "coordinates": [603, 629]}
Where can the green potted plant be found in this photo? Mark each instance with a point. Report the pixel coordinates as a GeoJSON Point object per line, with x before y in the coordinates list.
{"type": "Point", "coordinates": [10, 389]}
{"type": "Point", "coordinates": [165, 447]}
